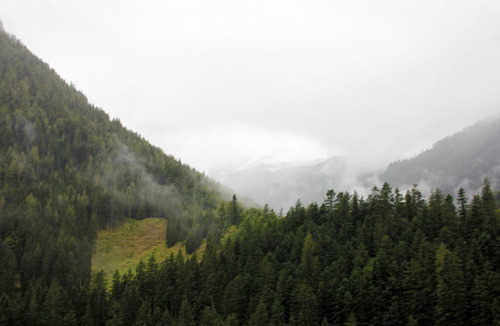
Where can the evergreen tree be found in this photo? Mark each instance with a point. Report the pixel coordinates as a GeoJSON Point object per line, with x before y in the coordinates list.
{"type": "Point", "coordinates": [451, 302]}
{"type": "Point", "coordinates": [144, 315]}
{"type": "Point", "coordinates": [305, 306]}
{"type": "Point", "coordinates": [209, 317]}
{"type": "Point", "coordinates": [277, 317]}
{"type": "Point", "coordinates": [235, 211]}
{"type": "Point", "coordinates": [166, 319]}
{"type": "Point", "coordinates": [309, 267]}
{"type": "Point", "coordinates": [260, 316]}
{"type": "Point", "coordinates": [235, 296]}
{"type": "Point", "coordinates": [186, 314]}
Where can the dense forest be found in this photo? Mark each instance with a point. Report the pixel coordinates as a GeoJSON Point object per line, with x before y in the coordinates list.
{"type": "Point", "coordinates": [67, 170]}
{"type": "Point", "coordinates": [389, 259]}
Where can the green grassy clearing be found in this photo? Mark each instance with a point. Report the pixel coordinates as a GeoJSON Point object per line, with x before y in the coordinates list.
{"type": "Point", "coordinates": [132, 240]}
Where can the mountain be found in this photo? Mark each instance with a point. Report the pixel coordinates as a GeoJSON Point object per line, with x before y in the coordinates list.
{"type": "Point", "coordinates": [281, 186]}
{"type": "Point", "coordinates": [461, 160]}
{"type": "Point", "coordinates": [66, 170]}
{"type": "Point", "coordinates": [464, 160]}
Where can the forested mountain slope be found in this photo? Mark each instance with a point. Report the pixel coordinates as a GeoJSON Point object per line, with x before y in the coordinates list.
{"type": "Point", "coordinates": [462, 160]}
{"type": "Point", "coordinates": [67, 169]}
{"type": "Point", "coordinates": [389, 259]}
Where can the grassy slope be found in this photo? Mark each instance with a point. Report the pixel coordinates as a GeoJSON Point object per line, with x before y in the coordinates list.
{"type": "Point", "coordinates": [123, 247]}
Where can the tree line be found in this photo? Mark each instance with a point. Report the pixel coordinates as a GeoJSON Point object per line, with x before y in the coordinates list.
{"type": "Point", "coordinates": [388, 259]}
{"type": "Point", "coordinates": [66, 170]}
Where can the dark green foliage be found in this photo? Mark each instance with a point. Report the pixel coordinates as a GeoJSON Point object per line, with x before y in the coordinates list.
{"type": "Point", "coordinates": [277, 317]}
{"type": "Point", "coordinates": [412, 277]}
{"type": "Point", "coordinates": [235, 212]}
{"type": "Point", "coordinates": [326, 276]}
{"type": "Point", "coordinates": [209, 317]}
{"type": "Point", "coordinates": [304, 310]}
{"type": "Point", "coordinates": [235, 297]}
{"type": "Point", "coordinates": [194, 239]}
{"type": "Point", "coordinates": [65, 170]}
{"type": "Point", "coordinates": [451, 290]}
{"type": "Point", "coordinates": [8, 266]}
{"type": "Point", "coordinates": [260, 316]}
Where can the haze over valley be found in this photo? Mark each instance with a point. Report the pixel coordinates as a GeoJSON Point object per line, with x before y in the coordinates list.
{"type": "Point", "coordinates": [461, 160]}
{"type": "Point", "coordinates": [223, 84]}
{"type": "Point", "coordinates": [249, 163]}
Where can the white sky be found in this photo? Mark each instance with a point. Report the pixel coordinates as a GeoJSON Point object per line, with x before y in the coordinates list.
{"type": "Point", "coordinates": [217, 83]}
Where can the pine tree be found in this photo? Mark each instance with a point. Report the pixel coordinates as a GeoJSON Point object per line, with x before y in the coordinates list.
{"type": "Point", "coordinates": [260, 316]}
{"type": "Point", "coordinates": [309, 267]}
{"type": "Point", "coordinates": [236, 296]}
{"type": "Point", "coordinates": [235, 211]}
{"type": "Point", "coordinates": [209, 317]}
{"type": "Point", "coordinates": [231, 320]}
{"type": "Point", "coordinates": [451, 289]}
{"type": "Point", "coordinates": [166, 319]}
{"type": "Point", "coordinates": [144, 315]}
{"type": "Point", "coordinates": [462, 204]}
{"type": "Point", "coordinates": [55, 304]}
{"type": "Point", "coordinates": [186, 314]}
{"type": "Point", "coordinates": [277, 317]}
{"type": "Point", "coordinates": [98, 299]}
{"type": "Point", "coordinates": [352, 321]}
{"type": "Point", "coordinates": [305, 306]}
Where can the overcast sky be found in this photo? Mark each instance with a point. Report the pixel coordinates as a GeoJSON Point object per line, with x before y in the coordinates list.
{"type": "Point", "coordinates": [217, 83]}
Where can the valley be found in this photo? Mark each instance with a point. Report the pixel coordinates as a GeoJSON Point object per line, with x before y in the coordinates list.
{"type": "Point", "coordinates": [100, 227]}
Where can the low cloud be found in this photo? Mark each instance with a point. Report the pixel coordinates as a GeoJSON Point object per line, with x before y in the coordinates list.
{"type": "Point", "coordinates": [126, 178]}
{"type": "Point", "coordinates": [220, 149]}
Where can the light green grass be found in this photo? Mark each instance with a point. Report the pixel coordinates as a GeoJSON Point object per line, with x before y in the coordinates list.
{"type": "Point", "coordinates": [132, 240]}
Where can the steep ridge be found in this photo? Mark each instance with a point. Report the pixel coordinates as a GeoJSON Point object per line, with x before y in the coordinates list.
{"type": "Point", "coordinates": [66, 169]}
{"type": "Point", "coordinates": [464, 160]}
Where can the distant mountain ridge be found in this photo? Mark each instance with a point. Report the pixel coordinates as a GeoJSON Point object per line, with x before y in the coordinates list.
{"type": "Point", "coordinates": [464, 160]}
{"type": "Point", "coordinates": [282, 186]}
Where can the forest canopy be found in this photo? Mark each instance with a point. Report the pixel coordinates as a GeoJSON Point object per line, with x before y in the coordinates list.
{"type": "Point", "coordinates": [66, 170]}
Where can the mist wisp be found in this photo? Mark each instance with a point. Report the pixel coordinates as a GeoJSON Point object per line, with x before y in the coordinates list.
{"type": "Point", "coordinates": [129, 183]}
